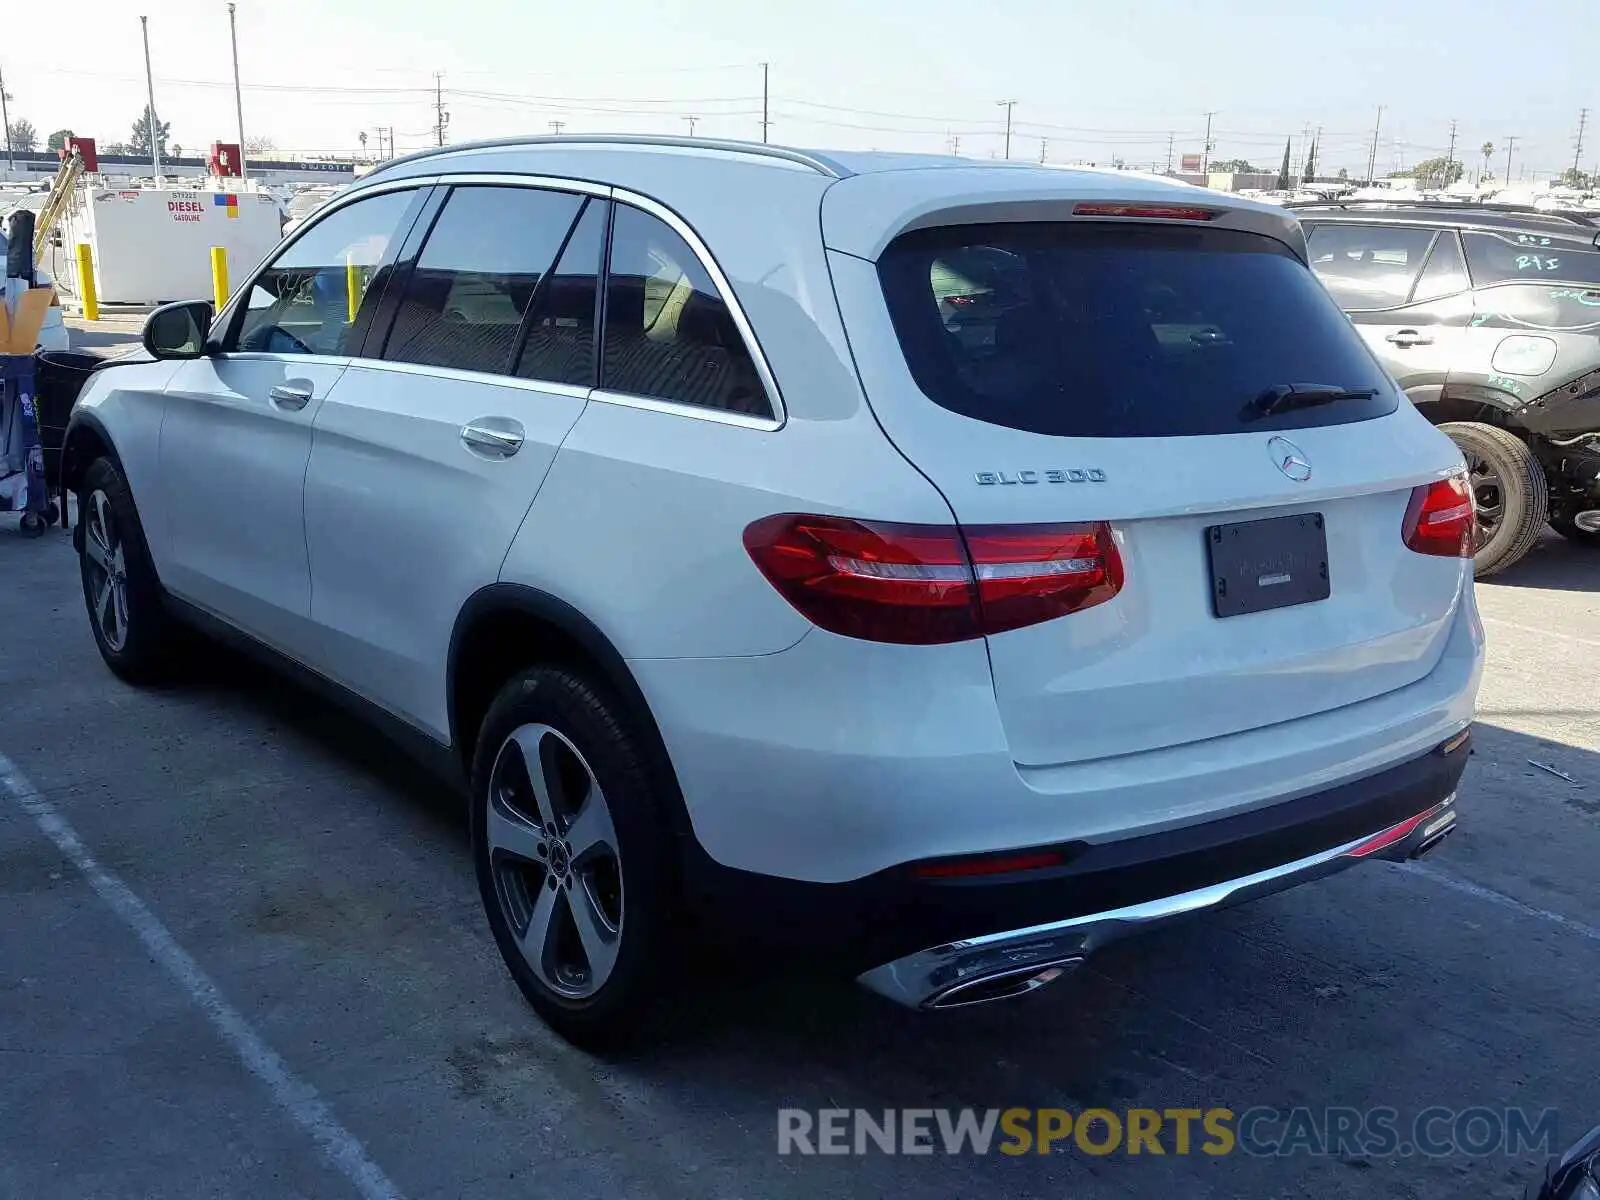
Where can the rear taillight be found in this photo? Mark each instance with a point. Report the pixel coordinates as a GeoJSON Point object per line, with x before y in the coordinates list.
{"type": "Point", "coordinates": [1441, 519]}
{"type": "Point", "coordinates": [927, 584]}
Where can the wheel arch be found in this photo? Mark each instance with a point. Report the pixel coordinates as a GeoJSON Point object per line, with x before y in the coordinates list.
{"type": "Point", "coordinates": [1472, 402]}
{"type": "Point", "coordinates": [505, 627]}
{"type": "Point", "coordinates": [86, 440]}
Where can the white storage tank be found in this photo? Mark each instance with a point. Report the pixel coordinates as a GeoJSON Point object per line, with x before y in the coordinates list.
{"type": "Point", "coordinates": [152, 245]}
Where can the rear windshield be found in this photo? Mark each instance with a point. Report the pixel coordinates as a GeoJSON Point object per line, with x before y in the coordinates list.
{"type": "Point", "coordinates": [1099, 330]}
{"type": "Point", "coordinates": [1527, 258]}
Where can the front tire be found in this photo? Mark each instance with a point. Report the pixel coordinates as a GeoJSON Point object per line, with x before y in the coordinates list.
{"type": "Point", "coordinates": [572, 857]}
{"type": "Point", "coordinates": [123, 597]}
{"type": "Point", "coordinates": [1509, 487]}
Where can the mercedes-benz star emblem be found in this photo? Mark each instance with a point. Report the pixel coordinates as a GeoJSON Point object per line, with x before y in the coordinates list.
{"type": "Point", "coordinates": [1290, 459]}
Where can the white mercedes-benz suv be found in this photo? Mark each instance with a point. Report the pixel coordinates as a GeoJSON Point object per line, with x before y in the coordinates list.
{"type": "Point", "coordinates": [963, 563]}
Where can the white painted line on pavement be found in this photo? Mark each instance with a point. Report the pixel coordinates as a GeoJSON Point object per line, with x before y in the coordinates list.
{"type": "Point", "coordinates": [1503, 900]}
{"type": "Point", "coordinates": [1555, 633]}
{"type": "Point", "coordinates": [296, 1097]}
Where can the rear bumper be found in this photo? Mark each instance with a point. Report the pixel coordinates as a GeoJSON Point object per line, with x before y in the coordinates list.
{"type": "Point", "coordinates": [913, 937]}
{"type": "Point", "coordinates": [998, 965]}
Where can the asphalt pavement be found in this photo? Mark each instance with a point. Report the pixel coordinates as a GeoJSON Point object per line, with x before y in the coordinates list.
{"type": "Point", "coordinates": [241, 955]}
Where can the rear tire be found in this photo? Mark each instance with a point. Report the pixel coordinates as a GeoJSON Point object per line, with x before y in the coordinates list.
{"type": "Point", "coordinates": [1509, 486]}
{"type": "Point", "coordinates": [567, 821]}
{"type": "Point", "coordinates": [126, 607]}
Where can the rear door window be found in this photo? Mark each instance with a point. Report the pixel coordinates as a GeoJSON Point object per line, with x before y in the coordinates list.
{"type": "Point", "coordinates": [1092, 330]}
{"type": "Point", "coordinates": [1368, 267]}
{"type": "Point", "coordinates": [1446, 272]}
{"type": "Point", "coordinates": [1528, 258]}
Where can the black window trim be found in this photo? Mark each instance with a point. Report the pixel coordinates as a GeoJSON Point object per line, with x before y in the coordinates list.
{"type": "Point", "coordinates": [1415, 278]}
{"type": "Point", "coordinates": [222, 325]}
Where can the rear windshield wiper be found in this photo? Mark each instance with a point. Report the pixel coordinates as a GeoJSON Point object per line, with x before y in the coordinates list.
{"type": "Point", "coordinates": [1283, 397]}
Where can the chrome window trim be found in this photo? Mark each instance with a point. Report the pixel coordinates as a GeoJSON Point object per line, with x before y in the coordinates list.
{"type": "Point", "coordinates": [721, 416]}
{"type": "Point", "coordinates": [316, 360]}
{"type": "Point", "coordinates": [752, 345]}
{"type": "Point", "coordinates": [547, 183]}
{"type": "Point", "coordinates": [489, 378]}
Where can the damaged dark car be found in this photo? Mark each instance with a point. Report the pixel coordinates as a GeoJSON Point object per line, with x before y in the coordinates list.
{"type": "Point", "coordinates": [1489, 319]}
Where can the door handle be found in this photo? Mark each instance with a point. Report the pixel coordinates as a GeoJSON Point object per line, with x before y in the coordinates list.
{"type": "Point", "coordinates": [1409, 337]}
{"type": "Point", "coordinates": [292, 396]}
{"type": "Point", "coordinates": [499, 440]}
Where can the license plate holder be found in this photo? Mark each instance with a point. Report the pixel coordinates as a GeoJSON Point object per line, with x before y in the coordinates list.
{"type": "Point", "coordinates": [1275, 562]}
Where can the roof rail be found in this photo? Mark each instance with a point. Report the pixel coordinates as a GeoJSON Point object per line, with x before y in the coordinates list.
{"type": "Point", "coordinates": [1510, 209]}
{"type": "Point", "coordinates": [820, 163]}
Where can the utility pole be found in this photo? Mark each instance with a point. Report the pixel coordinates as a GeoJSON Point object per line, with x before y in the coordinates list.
{"type": "Point", "coordinates": [5, 119]}
{"type": "Point", "coordinates": [1372, 158]}
{"type": "Point", "coordinates": [557, 126]}
{"type": "Point", "coordinates": [1450, 155]}
{"type": "Point", "coordinates": [238, 96]}
{"type": "Point", "coordinates": [1577, 157]}
{"type": "Point", "coordinates": [1510, 144]}
{"type": "Point", "coordinates": [955, 145]}
{"type": "Point", "coordinates": [764, 94]}
{"type": "Point", "coordinates": [150, 89]}
{"type": "Point", "coordinates": [1008, 105]}
{"type": "Point", "coordinates": [691, 121]}
{"type": "Point", "coordinates": [1171, 137]}
{"type": "Point", "coordinates": [442, 118]}
{"type": "Point", "coordinates": [1300, 155]}
{"type": "Point", "coordinates": [1205, 147]}
{"type": "Point", "coordinates": [1044, 144]}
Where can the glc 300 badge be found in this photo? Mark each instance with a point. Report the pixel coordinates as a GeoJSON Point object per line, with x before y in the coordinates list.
{"type": "Point", "coordinates": [1054, 475]}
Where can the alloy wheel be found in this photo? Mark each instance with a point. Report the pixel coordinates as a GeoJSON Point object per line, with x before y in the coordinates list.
{"type": "Point", "coordinates": [555, 861]}
{"type": "Point", "coordinates": [106, 571]}
{"type": "Point", "coordinates": [1489, 494]}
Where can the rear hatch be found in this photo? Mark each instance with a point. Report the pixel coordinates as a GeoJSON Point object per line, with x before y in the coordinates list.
{"type": "Point", "coordinates": [1121, 370]}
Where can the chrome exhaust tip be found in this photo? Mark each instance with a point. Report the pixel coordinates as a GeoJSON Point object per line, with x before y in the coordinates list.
{"type": "Point", "coordinates": [1589, 521]}
{"type": "Point", "coordinates": [1002, 985]}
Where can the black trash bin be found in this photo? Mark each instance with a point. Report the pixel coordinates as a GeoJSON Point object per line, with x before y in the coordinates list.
{"type": "Point", "coordinates": [59, 375]}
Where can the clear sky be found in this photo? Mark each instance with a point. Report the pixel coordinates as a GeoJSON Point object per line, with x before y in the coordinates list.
{"type": "Point", "coordinates": [1092, 81]}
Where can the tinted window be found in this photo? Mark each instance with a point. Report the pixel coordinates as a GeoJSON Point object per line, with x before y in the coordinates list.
{"type": "Point", "coordinates": [1525, 258]}
{"type": "Point", "coordinates": [669, 334]}
{"type": "Point", "coordinates": [478, 271]}
{"type": "Point", "coordinates": [1368, 266]}
{"type": "Point", "coordinates": [1446, 272]}
{"type": "Point", "coordinates": [560, 334]}
{"type": "Point", "coordinates": [1119, 331]}
{"type": "Point", "coordinates": [308, 300]}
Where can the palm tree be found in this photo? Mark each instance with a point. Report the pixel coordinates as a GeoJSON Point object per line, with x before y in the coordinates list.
{"type": "Point", "coordinates": [1487, 150]}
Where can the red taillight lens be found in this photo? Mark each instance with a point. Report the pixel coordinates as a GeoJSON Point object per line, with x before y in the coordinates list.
{"type": "Point", "coordinates": [928, 584]}
{"type": "Point", "coordinates": [1441, 519]}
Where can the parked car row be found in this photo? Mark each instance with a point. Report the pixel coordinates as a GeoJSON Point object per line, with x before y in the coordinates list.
{"type": "Point", "coordinates": [961, 564]}
{"type": "Point", "coordinates": [1489, 319]}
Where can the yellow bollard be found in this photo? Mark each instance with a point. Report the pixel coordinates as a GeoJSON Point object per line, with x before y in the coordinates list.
{"type": "Point", "coordinates": [219, 276]}
{"type": "Point", "coordinates": [352, 286]}
{"type": "Point", "coordinates": [91, 299]}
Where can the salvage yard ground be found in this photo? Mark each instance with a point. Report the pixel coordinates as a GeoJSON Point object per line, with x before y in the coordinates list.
{"type": "Point", "coordinates": [241, 955]}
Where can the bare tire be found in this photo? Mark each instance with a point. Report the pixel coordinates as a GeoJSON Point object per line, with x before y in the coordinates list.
{"type": "Point", "coordinates": [572, 854]}
{"type": "Point", "coordinates": [1509, 487]}
{"type": "Point", "coordinates": [123, 597]}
